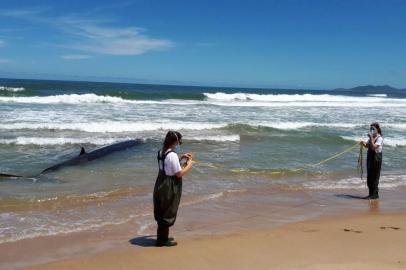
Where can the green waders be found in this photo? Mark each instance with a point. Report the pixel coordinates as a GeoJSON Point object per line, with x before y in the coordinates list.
{"type": "Point", "coordinates": [167, 193]}
{"type": "Point", "coordinates": [374, 163]}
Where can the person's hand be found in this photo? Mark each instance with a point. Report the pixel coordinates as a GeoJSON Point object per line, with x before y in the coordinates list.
{"type": "Point", "coordinates": [187, 156]}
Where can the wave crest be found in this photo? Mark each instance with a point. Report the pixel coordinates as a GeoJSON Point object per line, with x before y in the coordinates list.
{"type": "Point", "coordinates": [11, 89]}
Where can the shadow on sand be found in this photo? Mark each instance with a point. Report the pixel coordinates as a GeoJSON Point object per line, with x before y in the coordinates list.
{"type": "Point", "coordinates": [143, 241]}
{"type": "Point", "coordinates": [350, 196]}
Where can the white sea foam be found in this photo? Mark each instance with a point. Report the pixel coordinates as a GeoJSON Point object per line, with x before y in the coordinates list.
{"type": "Point", "coordinates": [113, 126]}
{"type": "Point", "coordinates": [389, 181]}
{"type": "Point", "coordinates": [90, 99]}
{"type": "Point", "coordinates": [377, 95]}
{"type": "Point", "coordinates": [222, 99]}
{"type": "Point", "coordinates": [120, 126]}
{"type": "Point", "coordinates": [300, 100]}
{"type": "Point", "coordinates": [288, 97]}
{"type": "Point", "coordinates": [60, 140]}
{"type": "Point", "coordinates": [226, 138]}
{"type": "Point", "coordinates": [298, 125]}
{"type": "Point", "coordinates": [47, 227]}
{"type": "Point", "coordinates": [399, 141]}
{"type": "Point", "coordinates": [70, 99]}
{"type": "Point", "coordinates": [22, 140]}
{"type": "Point", "coordinates": [12, 89]}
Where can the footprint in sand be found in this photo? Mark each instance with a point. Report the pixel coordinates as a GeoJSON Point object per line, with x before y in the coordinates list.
{"type": "Point", "coordinates": [351, 230]}
{"type": "Point", "coordinates": [390, 227]}
{"type": "Point", "coordinates": [311, 230]}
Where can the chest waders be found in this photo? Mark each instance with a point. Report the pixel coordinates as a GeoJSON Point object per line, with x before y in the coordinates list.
{"type": "Point", "coordinates": [374, 163]}
{"type": "Point", "coordinates": [167, 193]}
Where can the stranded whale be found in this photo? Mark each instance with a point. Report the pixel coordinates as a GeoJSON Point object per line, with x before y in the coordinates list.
{"type": "Point", "coordinates": [84, 157]}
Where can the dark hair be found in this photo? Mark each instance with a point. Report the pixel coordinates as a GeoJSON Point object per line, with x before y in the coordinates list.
{"type": "Point", "coordinates": [171, 138]}
{"type": "Point", "coordinates": [377, 126]}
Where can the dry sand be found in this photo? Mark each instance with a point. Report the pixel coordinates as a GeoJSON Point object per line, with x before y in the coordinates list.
{"type": "Point", "coordinates": [364, 241]}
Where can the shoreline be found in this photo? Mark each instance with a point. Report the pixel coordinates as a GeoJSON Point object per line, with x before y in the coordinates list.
{"type": "Point", "coordinates": [258, 209]}
{"type": "Point", "coordinates": [366, 241]}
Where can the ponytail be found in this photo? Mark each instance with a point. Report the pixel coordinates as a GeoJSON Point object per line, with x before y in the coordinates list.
{"type": "Point", "coordinates": [171, 138]}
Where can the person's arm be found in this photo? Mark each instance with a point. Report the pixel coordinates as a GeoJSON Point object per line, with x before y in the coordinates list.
{"type": "Point", "coordinates": [372, 144]}
{"type": "Point", "coordinates": [186, 169]}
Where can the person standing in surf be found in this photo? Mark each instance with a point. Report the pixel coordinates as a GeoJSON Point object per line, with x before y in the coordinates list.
{"type": "Point", "coordinates": [168, 186]}
{"type": "Point", "coordinates": [374, 159]}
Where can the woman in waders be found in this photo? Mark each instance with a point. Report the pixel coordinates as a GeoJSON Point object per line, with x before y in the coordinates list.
{"type": "Point", "coordinates": [374, 159]}
{"type": "Point", "coordinates": [168, 186]}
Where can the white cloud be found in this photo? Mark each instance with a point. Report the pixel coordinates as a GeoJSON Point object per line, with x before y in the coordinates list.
{"type": "Point", "coordinates": [75, 56]}
{"type": "Point", "coordinates": [2, 43]}
{"type": "Point", "coordinates": [93, 37]}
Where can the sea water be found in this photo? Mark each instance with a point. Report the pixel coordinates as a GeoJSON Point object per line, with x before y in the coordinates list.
{"type": "Point", "coordinates": [240, 138]}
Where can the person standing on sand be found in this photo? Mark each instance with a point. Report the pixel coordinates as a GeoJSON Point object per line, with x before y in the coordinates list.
{"type": "Point", "coordinates": [168, 186]}
{"type": "Point", "coordinates": [374, 159]}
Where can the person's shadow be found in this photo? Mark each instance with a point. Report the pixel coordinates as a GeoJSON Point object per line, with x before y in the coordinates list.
{"type": "Point", "coordinates": [143, 241]}
{"type": "Point", "coordinates": [349, 196]}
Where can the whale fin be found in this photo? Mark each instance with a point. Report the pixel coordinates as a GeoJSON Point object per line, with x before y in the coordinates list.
{"type": "Point", "coordinates": [82, 151]}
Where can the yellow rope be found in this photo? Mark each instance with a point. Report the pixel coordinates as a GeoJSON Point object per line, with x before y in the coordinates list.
{"type": "Point", "coordinates": [207, 164]}
{"type": "Point", "coordinates": [300, 168]}
{"type": "Point", "coordinates": [211, 165]}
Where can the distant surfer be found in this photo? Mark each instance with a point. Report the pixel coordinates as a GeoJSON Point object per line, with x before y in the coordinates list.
{"type": "Point", "coordinates": [168, 186]}
{"type": "Point", "coordinates": [374, 159]}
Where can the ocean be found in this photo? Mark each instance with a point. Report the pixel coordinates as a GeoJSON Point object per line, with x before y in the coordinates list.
{"type": "Point", "coordinates": [239, 137]}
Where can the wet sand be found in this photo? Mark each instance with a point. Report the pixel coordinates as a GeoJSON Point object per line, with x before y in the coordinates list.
{"type": "Point", "coordinates": [368, 241]}
{"type": "Point", "coordinates": [257, 228]}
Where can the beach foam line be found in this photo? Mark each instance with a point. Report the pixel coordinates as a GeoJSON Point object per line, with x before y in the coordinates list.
{"type": "Point", "coordinates": [89, 99]}
{"type": "Point", "coordinates": [399, 141]}
{"type": "Point", "coordinates": [60, 140]}
{"type": "Point", "coordinates": [27, 204]}
{"type": "Point", "coordinates": [300, 100]}
{"type": "Point", "coordinates": [11, 89]}
{"type": "Point", "coordinates": [291, 97]}
{"type": "Point", "coordinates": [113, 127]}
{"type": "Point", "coordinates": [54, 227]}
{"type": "Point", "coordinates": [116, 126]}
{"type": "Point", "coordinates": [298, 125]}
{"type": "Point", "coordinates": [44, 141]}
{"type": "Point", "coordinates": [377, 95]}
{"type": "Point", "coordinates": [386, 181]}
{"type": "Point", "coordinates": [220, 99]}
{"type": "Point", "coordinates": [119, 126]}
{"type": "Point", "coordinates": [225, 138]}
{"type": "Point", "coordinates": [71, 99]}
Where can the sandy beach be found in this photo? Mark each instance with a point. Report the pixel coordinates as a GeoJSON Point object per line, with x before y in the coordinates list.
{"type": "Point", "coordinates": [261, 228]}
{"type": "Point", "coordinates": [369, 241]}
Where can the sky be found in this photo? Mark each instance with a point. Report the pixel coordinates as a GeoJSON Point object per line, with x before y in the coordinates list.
{"type": "Point", "coordinates": [277, 44]}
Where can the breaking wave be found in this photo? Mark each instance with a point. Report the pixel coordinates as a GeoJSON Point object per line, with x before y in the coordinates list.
{"type": "Point", "coordinates": [12, 89]}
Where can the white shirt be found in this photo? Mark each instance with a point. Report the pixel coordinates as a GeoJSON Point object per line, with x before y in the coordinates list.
{"type": "Point", "coordinates": [379, 142]}
{"type": "Point", "coordinates": [172, 164]}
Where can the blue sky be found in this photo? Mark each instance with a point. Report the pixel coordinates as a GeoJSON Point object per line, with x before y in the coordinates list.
{"type": "Point", "coordinates": [286, 44]}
